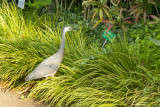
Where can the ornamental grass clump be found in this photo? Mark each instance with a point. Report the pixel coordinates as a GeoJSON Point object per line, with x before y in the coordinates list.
{"type": "Point", "coordinates": [116, 78]}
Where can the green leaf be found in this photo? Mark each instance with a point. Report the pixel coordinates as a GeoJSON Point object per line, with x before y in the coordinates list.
{"type": "Point", "coordinates": [38, 3]}
{"type": "Point", "coordinates": [106, 12]}
{"type": "Point", "coordinates": [101, 14]}
{"type": "Point", "coordinates": [105, 6]}
{"type": "Point", "coordinates": [113, 3]}
{"type": "Point", "coordinates": [96, 24]}
{"type": "Point", "coordinates": [104, 1]}
{"type": "Point", "coordinates": [90, 3]}
{"type": "Point", "coordinates": [96, 11]}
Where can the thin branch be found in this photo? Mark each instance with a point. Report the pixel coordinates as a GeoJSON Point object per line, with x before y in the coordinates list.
{"type": "Point", "coordinates": [157, 10]}
{"type": "Point", "coordinates": [61, 4]}
{"type": "Point", "coordinates": [65, 4]}
{"type": "Point", "coordinates": [70, 5]}
{"type": "Point", "coordinates": [56, 4]}
{"type": "Point", "coordinates": [85, 13]}
{"type": "Point", "coordinates": [88, 14]}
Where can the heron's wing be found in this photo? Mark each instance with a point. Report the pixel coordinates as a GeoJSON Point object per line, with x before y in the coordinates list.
{"type": "Point", "coordinates": [46, 68]}
{"type": "Point", "coordinates": [43, 71]}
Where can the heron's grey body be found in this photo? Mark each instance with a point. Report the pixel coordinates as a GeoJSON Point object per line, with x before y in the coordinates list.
{"type": "Point", "coordinates": [50, 65]}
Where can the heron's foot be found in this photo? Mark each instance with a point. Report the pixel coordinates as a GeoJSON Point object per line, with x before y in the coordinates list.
{"type": "Point", "coordinates": [26, 90]}
{"type": "Point", "coordinates": [3, 87]}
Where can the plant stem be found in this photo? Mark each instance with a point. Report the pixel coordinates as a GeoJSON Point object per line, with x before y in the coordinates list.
{"type": "Point", "coordinates": [70, 5]}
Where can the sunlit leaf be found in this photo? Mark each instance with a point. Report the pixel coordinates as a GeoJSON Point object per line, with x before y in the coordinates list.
{"type": "Point", "coordinates": [95, 12]}
{"type": "Point", "coordinates": [112, 1]}
{"type": "Point", "coordinates": [153, 23]}
{"type": "Point", "coordinates": [105, 6]}
{"type": "Point", "coordinates": [96, 24]}
{"type": "Point", "coordinates": [101, 14]}
{"type": "Point", "coordinates": [106, 12]}
{"type": "Point", "coordinates": [154, 17]}
{"type": "Point", "coordinates": [90, 3]}
{"type": "Point", "coordinates": [104, 1]}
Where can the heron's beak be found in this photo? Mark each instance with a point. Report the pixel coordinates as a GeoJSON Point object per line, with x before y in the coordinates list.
{"type": "Point", "coordinates": [74, 29]}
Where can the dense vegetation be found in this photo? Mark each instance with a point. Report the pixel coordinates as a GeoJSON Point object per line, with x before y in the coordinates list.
{"type": "Point", "coordinates": [125, 72]}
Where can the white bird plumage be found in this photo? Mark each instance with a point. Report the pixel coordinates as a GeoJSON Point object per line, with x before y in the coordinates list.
{"type": "Point", "coordinates": [50, 65]}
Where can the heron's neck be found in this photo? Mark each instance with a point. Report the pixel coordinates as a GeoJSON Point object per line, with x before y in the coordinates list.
{"type": "Point", "coordinates": [61, 49]}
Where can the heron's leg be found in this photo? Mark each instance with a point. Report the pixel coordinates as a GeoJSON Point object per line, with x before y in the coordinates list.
{"type": "Point", "coordinates": [27, 89]}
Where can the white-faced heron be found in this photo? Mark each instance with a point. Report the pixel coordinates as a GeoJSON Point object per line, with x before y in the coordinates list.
{"type": "Point", "coordinates": [50, 65]}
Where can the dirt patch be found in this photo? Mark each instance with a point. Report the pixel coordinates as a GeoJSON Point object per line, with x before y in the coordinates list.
{"type": "Point", "coordinates": [11, 99]}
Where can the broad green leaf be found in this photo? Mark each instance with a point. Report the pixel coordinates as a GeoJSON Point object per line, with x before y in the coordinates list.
{"type": "Point", "coordinates": [101, 1]}
{"type": "Point", "coordinates": [95, 12]}
{"type": "Point", "coordinates": [90, 3]}
{"type": "Point", "coordinates": [104, 1]}
{"type": "Point", "coordinates": [101, 14]}
{"type": "Point", "coordinates": [106, 12]}
{"type": "Point", "coordinates": [113, 3]}
{"type": "Point", "coordinates": [95, 9]}
{"type": "Point", "coordinates": [105, 6]}
{"type": "Point", "coordinates": [96, 24]}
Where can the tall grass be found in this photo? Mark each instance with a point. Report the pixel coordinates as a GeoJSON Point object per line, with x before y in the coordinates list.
{"type": "Point", "coordinates": [88, 75]}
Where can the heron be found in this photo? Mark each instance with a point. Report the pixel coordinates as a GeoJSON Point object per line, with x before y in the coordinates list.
{"type": "Point", "coordinates": [50, 65]}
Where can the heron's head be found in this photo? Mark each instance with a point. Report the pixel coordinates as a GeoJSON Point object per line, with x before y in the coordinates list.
{"type": "Point", "coordinates": [67, 28]}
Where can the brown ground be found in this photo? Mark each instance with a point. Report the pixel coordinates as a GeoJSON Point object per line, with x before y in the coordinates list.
{"type": "Point", "coordinates": [11, 99]}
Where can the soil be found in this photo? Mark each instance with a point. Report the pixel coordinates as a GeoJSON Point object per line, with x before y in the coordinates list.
{"type": "Point", "coordinates": [11, 99]}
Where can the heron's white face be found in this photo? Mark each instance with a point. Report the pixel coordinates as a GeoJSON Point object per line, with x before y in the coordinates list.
{"type": "Point", "coordinates": [67, 29]}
